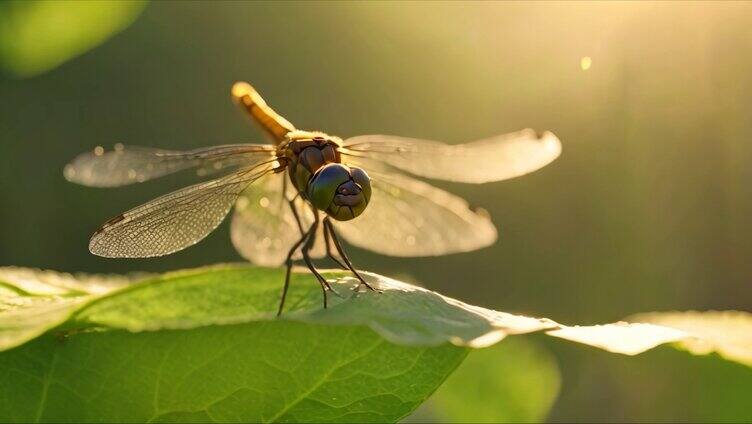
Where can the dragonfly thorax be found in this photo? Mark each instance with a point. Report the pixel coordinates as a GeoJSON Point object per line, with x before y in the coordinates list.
{"type": "Point", "coordinates": [316, 171]}
{"type": "Point", "coordinates": [306, 153]}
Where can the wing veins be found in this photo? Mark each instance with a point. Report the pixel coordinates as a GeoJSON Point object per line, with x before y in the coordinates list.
{"type": "Point", "coordinates": [131, 164]}
{"type": "Point", "coordinates": [145, 230]}
{"type": "Point", "coordinates": [491, 159]}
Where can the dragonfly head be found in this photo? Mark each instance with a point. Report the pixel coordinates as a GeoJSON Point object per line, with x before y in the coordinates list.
{"type": "Point", "coordinates": [340, 191]}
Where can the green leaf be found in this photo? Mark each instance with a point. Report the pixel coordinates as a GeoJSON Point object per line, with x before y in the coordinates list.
{"type": "Point", "coordinates": [262, 371]}
{"type": "Point", "coordinates": [37, 36]}
{"type": "Point", "coordinates": [205, 344]}
{"type": "Point", "coordinates": [252, 367]}
{"type": "Point", "coordinates": [515, 381]}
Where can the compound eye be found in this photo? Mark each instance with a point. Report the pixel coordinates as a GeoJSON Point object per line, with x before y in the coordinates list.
{"type": "Point", "coordinates": [363, 180]}
{"type": "Point", "coordinates": [335, 189]}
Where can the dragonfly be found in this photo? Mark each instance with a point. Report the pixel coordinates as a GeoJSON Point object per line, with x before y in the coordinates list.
{"type": "Point", "coordinates": [296, 196]}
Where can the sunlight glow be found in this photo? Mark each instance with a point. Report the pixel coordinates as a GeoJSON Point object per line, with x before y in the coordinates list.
{"type": "Point", "coordinates": [585, 63]}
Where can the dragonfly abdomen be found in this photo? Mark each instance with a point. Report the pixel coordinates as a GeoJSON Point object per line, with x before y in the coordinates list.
{"type": "Point", "coordinates": [276, 126]}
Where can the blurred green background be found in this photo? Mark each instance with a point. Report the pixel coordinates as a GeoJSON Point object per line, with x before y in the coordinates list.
{"type": "Point", "coordinates": [646, 210]}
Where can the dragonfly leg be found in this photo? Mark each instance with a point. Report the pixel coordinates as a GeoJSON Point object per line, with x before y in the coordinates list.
{"type": "Point", "coordinates": [328, 224]}
{"type": "Point", "coordinates": [291, 202]}
{"type": "Point", "coordinates": [307, 257]}
{"type": "Point", "coordinates": [329, 253]}
{"type": "Point", "coordinates": [288, 263]}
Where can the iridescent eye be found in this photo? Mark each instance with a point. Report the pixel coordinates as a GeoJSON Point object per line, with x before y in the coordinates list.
{"type": "Point", "coordinates": [342, 192]}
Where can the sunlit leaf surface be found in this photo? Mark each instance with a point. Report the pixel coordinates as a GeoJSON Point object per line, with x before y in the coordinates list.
{"type": "Point", "coordinates": [205, 344]}
{"type": "Point", "coordinates": [33, 301]}
{"type": "Point", "coordinates": [36, 36]}
{"type": "Point", "coordinates": [621, 337]}
{"type": "Point", "coordinates": [729, 333]}
{"type": "Point", "coordinates": [403, 313]}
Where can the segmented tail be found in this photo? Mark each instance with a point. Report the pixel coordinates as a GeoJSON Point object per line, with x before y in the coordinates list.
{"type": "Point", "coordinates": [269, 120]}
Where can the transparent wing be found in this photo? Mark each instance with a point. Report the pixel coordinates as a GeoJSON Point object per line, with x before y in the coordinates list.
{"type": "Point", "coordinates": [131, 164]}
{"type": "Point", "coordinates": [491, 159]}
{"type": "Point", "coordinates": [407, 217]}
{"type": "Point", "coordinates": [263, 226]}
{"type": "Point", "coordinates": [174, 221]}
